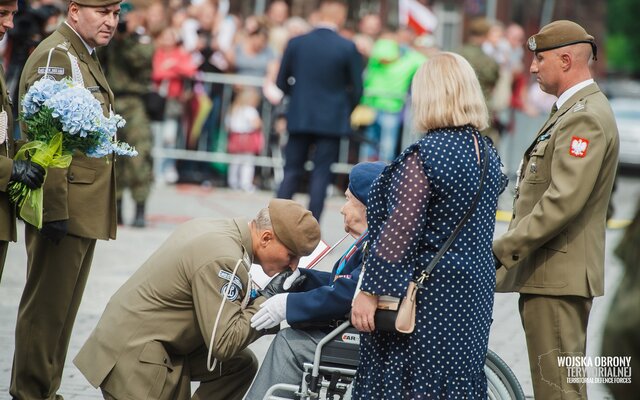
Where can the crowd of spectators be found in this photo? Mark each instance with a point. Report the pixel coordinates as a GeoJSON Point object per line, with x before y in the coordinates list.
{"type": "Point", "coordinates": [202, 36]}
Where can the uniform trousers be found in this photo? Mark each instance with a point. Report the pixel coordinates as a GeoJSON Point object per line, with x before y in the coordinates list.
{"type": "Point", "coordinates": [554, 326]}
{"type": "Point", "coordinates": [228, 381]}
{"type": "Point", "coordinates": [4, 246]}
{"type": "Point", "coordinates": [296, 154]}
{"type": "Point", "coordinates": [56, 278]}
{"type": "Point", "coordinates": [290, 349]}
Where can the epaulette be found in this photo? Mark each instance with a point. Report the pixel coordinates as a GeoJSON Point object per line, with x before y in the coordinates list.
{"type": "Point", "coordinates": [579, 106]}
{"type": "Point", "coordinates": [64, 45]}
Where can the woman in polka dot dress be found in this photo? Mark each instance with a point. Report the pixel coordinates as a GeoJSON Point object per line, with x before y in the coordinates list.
{"type": "Point", "coordinates": [414, 206]}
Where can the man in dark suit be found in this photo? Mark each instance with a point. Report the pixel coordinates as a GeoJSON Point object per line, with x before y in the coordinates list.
{"type": "Point", "coordinates": [79, 207]}
{"type": "Point", "coordinates": [323, 298]}
{"type": "Point", "coordinates": [321, 72]}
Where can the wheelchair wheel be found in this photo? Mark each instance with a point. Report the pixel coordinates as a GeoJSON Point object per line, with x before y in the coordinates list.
{"type": "Point", "coordinates": [502, 383]}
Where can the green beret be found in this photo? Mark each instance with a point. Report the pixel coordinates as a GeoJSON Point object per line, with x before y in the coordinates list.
{"type": "Point", "coordinates": [96, 3]}
{"type": "Point", "coordinates": [294, 226]}
{"type": "Point", "coordinates": [559, 34]}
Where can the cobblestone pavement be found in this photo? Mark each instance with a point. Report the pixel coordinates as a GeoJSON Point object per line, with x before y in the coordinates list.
{"type": "Point", "coordinates": [114, 262]}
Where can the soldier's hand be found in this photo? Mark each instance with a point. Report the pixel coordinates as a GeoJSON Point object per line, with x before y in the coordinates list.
{"type": "Point", "coordinates": [277, 284]}
{"type": "Point", "coordinates": [54, 230]}
{"type": "Point", "coordinates": [294, 282]}
{"type": "Point", "coordinates": [27, 172]}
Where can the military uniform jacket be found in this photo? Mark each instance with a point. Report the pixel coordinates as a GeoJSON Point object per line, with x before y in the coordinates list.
{"type": "Point", "coordinates": [7, 214]}
{"type": "Point", "coordinates": [555, 242]}
{"type": "Point", "coordinates": [327, 296]}
{"type": "Point", "coordinates": [167, 310]}
{"type": "Point", "coordinates": [83, 193]}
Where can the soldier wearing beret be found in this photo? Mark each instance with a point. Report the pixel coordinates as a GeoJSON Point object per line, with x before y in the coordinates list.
{"type": "Point", "coordinates": [190, 303]}
{"type": "Point", "coordinates": [23, 171]}
{"type": "Point", "coordinates": [321, 300]}
{"type": "Point", "coordinates": [79, 208]}
{"type": "Point", "coordinates": [553, 252]}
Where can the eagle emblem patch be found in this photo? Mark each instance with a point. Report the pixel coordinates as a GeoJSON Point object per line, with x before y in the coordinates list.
{"type": "Point", "coordinates": [578, 147]}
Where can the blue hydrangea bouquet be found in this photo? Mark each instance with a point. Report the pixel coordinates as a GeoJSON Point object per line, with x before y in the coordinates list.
{"type": "Point", "coordinates": [62, 117]}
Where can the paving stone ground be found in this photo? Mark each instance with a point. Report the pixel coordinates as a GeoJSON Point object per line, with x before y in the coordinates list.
{"type": "Point", "coordinates": [114, 261]}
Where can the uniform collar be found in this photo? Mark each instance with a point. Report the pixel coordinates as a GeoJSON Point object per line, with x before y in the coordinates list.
{"type": "Point", "coordinates": [245, 237]}
{"type": "Point", "coordinates": [90, 49]}
{"type": "Point", "coordinates": [571, 91]}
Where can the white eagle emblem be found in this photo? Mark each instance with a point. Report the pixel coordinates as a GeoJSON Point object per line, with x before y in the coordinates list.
{"type": "Point", "coordinates": [532, 43]}
{"type": "Point", "coordinates": [578, 147]}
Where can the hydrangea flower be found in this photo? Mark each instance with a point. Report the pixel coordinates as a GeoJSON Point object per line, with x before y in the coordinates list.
{"type": "Point", "coordinates": [79, 114]}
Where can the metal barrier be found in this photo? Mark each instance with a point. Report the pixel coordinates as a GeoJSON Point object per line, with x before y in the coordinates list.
{"type": "Point", "coordinates": [273, 161]}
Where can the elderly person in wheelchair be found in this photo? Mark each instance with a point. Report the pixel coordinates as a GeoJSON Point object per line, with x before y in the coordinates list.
{"type": "Point", "coordinates": [322, 299]}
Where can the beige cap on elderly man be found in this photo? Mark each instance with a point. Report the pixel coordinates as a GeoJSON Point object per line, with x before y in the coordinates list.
{"type": "Point", "coordinates": [294, 226]}
{"type": "Point", "coordinates": [559, 34]}
{"type": "Point", "coordinates": [96, 3]}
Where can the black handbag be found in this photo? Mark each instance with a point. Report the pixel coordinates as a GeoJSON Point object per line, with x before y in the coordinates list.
{"type": "Point", "coordinates": [399, 315]}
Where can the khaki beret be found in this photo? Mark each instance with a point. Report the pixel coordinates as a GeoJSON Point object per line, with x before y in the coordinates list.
{"type": "Point", "coordinates": [559, 34]}
{"type": "Point", "coordinates": [96, 3]}
{"type": "Point", "coordinates": [8, 2]}
{"type": "Point", "coordinates": [479, 26]}
{"type": "Point", "coordinates": [294, 226]}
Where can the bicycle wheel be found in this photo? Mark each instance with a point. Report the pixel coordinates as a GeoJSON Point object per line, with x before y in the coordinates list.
{"type": "Point", "coordinates": [502, 383]}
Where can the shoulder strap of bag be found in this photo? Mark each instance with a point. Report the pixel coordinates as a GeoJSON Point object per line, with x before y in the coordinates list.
{"type": "Point", "coordinates": [424, 275]}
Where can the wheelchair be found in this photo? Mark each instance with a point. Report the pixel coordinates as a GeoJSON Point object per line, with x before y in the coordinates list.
{"type": "Point", "coordinates": [331, 374]}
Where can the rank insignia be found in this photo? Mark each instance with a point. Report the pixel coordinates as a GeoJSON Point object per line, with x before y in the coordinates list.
{"type": "Point", "coordinates": [578, 147]}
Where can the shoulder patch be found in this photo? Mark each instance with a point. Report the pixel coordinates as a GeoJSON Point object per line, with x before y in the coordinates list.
{"type": "Point", "coordinates": [233, 293]}
{"type": "Point", "coordinates": [578, 147]}
{"type": "Point", "coordinates": [50, 71]}
{"type": "Point", "coordinates": [227, 277]}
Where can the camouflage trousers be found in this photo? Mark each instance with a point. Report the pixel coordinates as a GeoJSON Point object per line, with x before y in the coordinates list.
{"type": "Point", "coordinates": [135, 173]}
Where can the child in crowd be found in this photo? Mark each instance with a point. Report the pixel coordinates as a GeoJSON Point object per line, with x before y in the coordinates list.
{"type": "Point", "coordinates": [245, 138]}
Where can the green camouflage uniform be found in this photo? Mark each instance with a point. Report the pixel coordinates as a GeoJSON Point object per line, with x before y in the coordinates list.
{"type": "Point", "coordinates": [128, 71]}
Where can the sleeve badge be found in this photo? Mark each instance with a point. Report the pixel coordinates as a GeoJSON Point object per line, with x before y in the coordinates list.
{"type": "Point", "coordinates": [578, 147]}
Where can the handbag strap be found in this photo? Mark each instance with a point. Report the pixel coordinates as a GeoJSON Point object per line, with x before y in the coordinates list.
{"type": "Point", "coordinates": [424, 275]}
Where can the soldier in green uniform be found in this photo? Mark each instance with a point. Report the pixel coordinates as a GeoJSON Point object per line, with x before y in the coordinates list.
{"type": "Point", "coordinates": [23, 171]}
{"type": "Point", "coordinates": [128, 69]}
{"type": "Point", "coordinates": [79, 208]}
{"type": "Point", "coordinates": [486, 68]}
{"type": "Point", "coordinates": [190, 303]}
{"type": "Point", "coordinates": [553, 252]}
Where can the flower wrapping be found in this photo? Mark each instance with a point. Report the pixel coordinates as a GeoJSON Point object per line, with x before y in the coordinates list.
{"type": "Point", "coordinates": [62, 117]}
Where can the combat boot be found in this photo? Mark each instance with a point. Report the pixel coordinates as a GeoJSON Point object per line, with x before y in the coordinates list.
{"type": "Point", "coordinates": [139, 222]}
{"type": "Point", "coordinates": [119, 211]}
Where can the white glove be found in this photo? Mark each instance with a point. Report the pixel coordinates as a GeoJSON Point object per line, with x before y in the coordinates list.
{"type": "Point", "coordinates": [271, 313]}
{"type": "Point", "coordinates": [289, 281]}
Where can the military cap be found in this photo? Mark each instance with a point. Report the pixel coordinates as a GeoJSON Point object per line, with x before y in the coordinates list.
{"type": "Point", "coordinates": [96, 3]}
{"type": "Point", "coordinates": [559, 34]}
{"type": "Point", "coordinates": [294, 226]}
{"type": "Point", "coordinates": [479, 26]}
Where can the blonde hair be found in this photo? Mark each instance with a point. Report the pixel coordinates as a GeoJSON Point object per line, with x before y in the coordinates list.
{"type": "Point", "coordinates": [446, 92]}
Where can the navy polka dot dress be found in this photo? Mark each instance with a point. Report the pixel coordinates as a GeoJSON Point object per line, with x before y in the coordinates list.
{"type": "Point", "coordinates": [414, 206]}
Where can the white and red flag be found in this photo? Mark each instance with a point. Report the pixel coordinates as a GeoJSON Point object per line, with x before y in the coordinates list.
{"type": "Point", "coordinates": [417, 16]}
